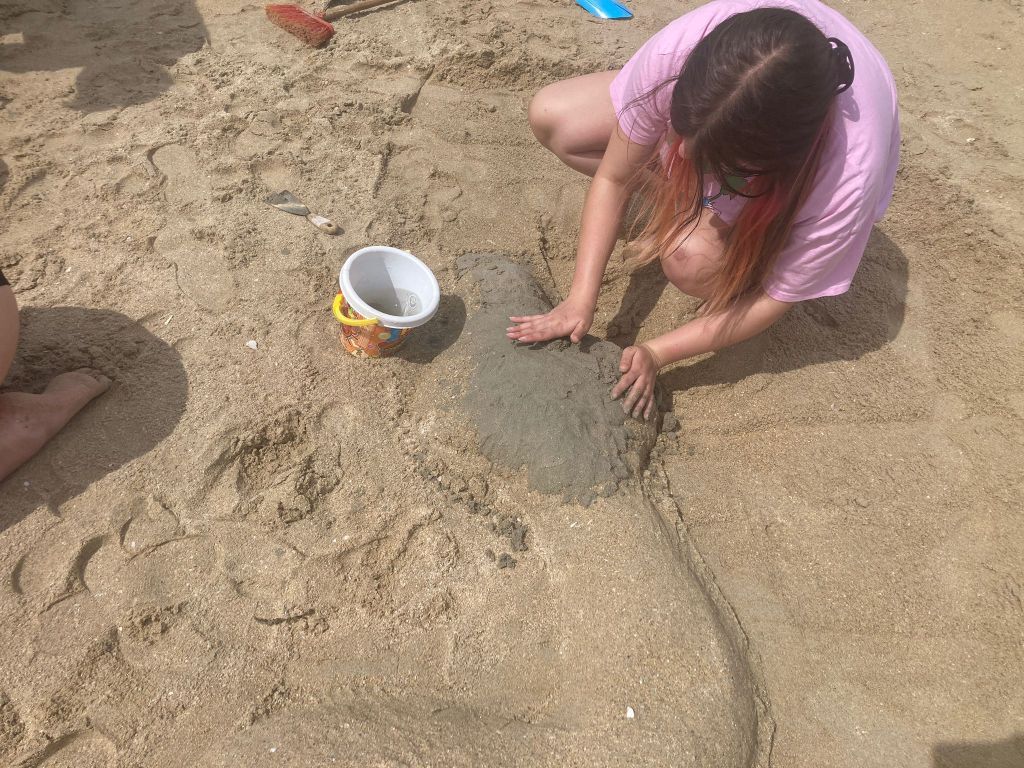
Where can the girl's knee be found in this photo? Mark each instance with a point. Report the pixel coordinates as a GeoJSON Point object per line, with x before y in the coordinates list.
{"type": "Point", "coordinates": [689, 271]}
{"type": "Point", "coordinates": [696, 263]}
{"type": "Point", "coordinates": [542, 117]}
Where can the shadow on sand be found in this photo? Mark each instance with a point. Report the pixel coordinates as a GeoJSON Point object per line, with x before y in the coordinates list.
{"type": "Point", "coordinates": [844, 327]}
{"type": "Point", "coordinates": [984, 754]}
{"type": "Point", "coordinates": [123, 47]}
{"type": "Point", "coordinates": [443, 330]}
{"type": "Point", "coordinates": [144, 404]}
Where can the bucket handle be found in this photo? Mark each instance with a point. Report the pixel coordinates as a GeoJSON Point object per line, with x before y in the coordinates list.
{"type": "Point", "coordinates": [348, 320]}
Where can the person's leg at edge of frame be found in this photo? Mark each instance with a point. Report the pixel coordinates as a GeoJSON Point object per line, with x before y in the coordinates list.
{"type": "Point", "coordinates": [27, 421]}
{"type": "Point", "coordinates": [9, 327]}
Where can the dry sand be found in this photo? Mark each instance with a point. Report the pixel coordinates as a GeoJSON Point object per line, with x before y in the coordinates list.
{"type": "Point", "coordinates": [287, 556]}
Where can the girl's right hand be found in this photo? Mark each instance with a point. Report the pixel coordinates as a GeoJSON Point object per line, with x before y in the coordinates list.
{"type": "Point", "coordinates": [570, 318]}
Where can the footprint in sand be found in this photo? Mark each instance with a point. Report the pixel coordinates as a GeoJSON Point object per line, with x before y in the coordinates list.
{"type": "Point", "coordinates": [77, 586]}
{"type": "Point", "coordinates": [186, 182]}
{"type": "Point", "coordinates": [441, 202]}
{"type": "Point", "coordinates": [434, 206]}
{"type": "Point", "coordinates": [261, 136]}
{"type": "Point", "coordinates": [279, 471]}
{"type": "Point", "coordinates": [52, 590]}
{"type": "Point", "coordinates": [200, 269]}
{"type": "Point", "coordinates": [112, 624]}
{"type": "Point", "coordinates": [259, 567]}
{"type": "Point", "coordinates": [277, 175]}
{"type": "Point", "coordinates": [147, 586]}
{"type": "Point", "coordinates": [78, 701]}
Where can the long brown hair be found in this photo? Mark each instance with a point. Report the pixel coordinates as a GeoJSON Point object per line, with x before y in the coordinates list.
{"type": "Point", "coordinates": [753, 100]}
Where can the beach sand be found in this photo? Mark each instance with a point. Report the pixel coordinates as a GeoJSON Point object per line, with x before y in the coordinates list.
{"type": "Point", "coordinates": [289, 556]}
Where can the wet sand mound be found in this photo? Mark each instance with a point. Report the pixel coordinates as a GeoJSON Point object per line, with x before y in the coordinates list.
{"type": "Point", "coordinates": [547, 406]}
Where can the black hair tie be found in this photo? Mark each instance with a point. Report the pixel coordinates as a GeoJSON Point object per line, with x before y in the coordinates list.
{"type": "Point", "coordinates": [844, 64]}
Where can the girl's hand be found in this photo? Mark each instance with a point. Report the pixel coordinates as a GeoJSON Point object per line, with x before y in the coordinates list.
{"type": "Point", "coordinates": [639, 370]}
{"type": "Point", "coordinates": [570, 318]}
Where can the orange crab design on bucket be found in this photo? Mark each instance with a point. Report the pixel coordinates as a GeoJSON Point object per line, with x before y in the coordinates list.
{"type": "Point", "coordinates": [366, 337]}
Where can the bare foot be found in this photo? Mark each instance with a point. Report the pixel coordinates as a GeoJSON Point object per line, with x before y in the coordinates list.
{"type": "Point", "coordinates": [27, 422]}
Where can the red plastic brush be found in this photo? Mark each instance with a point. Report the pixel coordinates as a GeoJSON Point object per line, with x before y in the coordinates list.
{"type": "Point", "coordinates": [314, 30]}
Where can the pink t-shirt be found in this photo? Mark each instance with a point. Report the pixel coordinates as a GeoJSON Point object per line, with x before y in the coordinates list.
{"type": "Point", "coordinates": [858, 169]}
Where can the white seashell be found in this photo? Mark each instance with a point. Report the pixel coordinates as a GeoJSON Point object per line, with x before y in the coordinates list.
{"type": "Point", "coordinates": [252, 344]}
{"type": "Point", "coordinates": [630, 714]}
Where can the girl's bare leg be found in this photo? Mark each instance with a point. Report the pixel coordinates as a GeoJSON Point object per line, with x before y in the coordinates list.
{"type": "Point", "coordinates": [575, 119]}
{"type": "Point", "coordinates": [27, 422]}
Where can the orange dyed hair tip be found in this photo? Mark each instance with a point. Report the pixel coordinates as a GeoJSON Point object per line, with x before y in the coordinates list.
{"type": "Point", "coordinates": [303, 25]}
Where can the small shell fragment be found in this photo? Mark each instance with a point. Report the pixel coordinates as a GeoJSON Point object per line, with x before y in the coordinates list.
{"type": "Point", "coordinates": [630, 714]}
{"type": "Point", "coordinates": [252, 344]}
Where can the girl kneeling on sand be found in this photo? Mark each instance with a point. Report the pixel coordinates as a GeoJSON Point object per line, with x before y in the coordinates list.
{"type": "Point", "coordinates": [762, 160]}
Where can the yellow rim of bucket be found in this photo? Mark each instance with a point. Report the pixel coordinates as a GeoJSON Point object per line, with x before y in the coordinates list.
{"type": "Point", "coordinates": [348, 320]}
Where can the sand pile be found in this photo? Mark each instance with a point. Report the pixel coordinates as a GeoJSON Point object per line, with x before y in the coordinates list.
{"type": "Point", "coordinates": [548, 407]}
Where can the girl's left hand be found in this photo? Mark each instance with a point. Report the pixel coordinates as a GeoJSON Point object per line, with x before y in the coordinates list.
{"type": "Point", "coordinates": [639, 371]}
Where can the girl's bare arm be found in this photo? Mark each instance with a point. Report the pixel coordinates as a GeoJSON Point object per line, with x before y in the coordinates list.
{"type": "Point", "coordinates": [639, 366]}
{"type": "Point", "coordinates": [603, 210]}
{"type": "Point", "coordinates": [709, 333]}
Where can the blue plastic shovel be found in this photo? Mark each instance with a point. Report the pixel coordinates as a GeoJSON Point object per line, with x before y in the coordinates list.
{"type": "Point", "coordinates": [605, 9]}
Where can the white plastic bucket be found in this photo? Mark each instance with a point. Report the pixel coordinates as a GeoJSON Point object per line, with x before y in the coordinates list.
{"type": "Point", "coordinates": [391, 286]}
{"type": "Point", "coordinates": [385, 294]}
